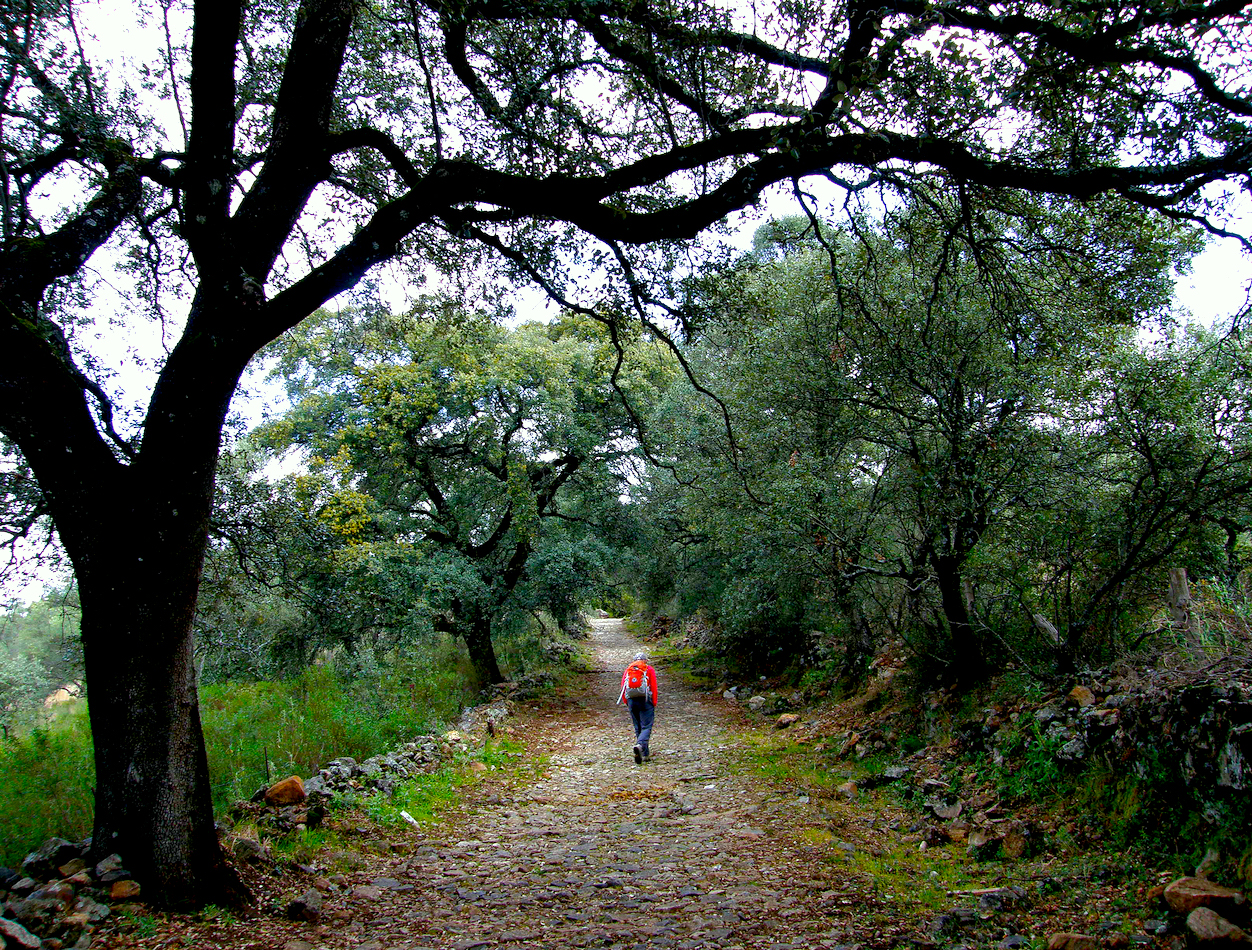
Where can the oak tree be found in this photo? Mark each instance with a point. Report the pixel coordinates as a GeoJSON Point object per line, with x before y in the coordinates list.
{"type": "Point", "coordinates": [254, 161]}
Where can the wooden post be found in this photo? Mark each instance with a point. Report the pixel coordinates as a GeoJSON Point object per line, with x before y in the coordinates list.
{"type": "Point", "coordinates": [1180, 612]}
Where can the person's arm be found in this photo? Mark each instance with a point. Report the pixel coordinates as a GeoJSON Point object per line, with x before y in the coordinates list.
{"type": "Point", "coordinates": [621, 696]}
{"type": "Point", "coordinates": [652, 685]}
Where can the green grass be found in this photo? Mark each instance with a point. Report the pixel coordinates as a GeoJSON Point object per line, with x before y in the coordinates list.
{"type": "Point", "coordinates": [300, 724]}
{"type": "Point", "coordinates": [425, 796]}
{"type": "Point", "coordinates": [49, 777]}
{"type": "Point", "coordinates": [296, 725]}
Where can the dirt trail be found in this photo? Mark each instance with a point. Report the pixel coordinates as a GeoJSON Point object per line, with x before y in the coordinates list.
{"type": "Point", "coordinates": [680, 852]}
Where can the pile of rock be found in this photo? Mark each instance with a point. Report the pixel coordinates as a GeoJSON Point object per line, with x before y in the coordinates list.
{"type": "Point", "coordinates": [1195, 910]}
{"type": "Point", "coordinates": [293, 804]}
{"type": "Point", "coordinates": [58, 899]}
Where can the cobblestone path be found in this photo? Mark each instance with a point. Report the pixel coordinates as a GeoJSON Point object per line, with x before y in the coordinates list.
{"type": "Point", "coordinates": [682, 851]}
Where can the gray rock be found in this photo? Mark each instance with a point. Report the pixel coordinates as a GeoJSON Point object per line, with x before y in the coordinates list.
{"type": "Point", "coordinates": [17, 935]}
{"type": "Point", "coordinates": [307, 907]}
{"type": "Point", "coordinates": [51, 855]}
{"type": "Point", "coordinates": [112, 862]}
{"type": "Point", "coordinates": [1073, 750]}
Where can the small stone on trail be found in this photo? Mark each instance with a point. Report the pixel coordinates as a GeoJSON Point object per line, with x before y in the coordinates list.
{"type": "Point", "coordinates": [1073, 942]}
{"type": "Point", "coordinates": [17, 935]}
{"type": "Point", "coordinates": [785, 720]}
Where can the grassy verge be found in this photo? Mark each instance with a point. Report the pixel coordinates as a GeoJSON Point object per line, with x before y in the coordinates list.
{"type": "Point", "coordinates": [293, 726]}
{"type": "Point", "coordinates": [427, 799]}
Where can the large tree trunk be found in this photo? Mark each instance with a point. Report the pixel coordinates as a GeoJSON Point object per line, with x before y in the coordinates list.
{"type": "Point", "coordinates": [966, 660]}
{"type": "Point", "coordinates": [153, 797]}
{"type": "Point", "coordinates": [482, 653]}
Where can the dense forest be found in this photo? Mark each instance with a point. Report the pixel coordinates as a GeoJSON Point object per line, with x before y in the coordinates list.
{"type": "Point", "coordinates": [946, 401]}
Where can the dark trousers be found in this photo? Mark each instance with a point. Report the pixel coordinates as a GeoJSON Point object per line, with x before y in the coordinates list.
{"type": "Point", "coordinates": [642, 713]}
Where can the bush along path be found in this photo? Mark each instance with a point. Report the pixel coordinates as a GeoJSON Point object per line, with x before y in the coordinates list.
{"type": "Point", "coordinates": [742, 832]}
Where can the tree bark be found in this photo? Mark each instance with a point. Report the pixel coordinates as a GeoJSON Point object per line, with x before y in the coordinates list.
{"type": "Point", "coordinates": [967, 662]}
{"type": "Point", "coordinates": [482, 653]}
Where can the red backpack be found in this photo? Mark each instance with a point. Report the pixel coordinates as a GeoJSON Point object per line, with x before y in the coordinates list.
{"type": "Point", "coordinates": [637, 681]}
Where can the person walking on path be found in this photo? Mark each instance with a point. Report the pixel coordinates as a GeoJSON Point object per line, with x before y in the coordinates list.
{"type": "Point", "coordinates": [639, 693]}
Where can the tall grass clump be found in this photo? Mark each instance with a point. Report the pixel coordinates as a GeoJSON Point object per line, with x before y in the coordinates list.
{"type": "Point", "coordinates": [262, 731]}
{"type": "Point", "coordinates": [47, 787]}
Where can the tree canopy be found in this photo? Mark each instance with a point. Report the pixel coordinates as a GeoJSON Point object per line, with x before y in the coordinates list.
{"type": "Point", "coordinates": [252, 162]}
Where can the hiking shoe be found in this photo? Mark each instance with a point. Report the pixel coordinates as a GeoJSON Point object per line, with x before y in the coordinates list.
{"type": "Point", "coordinates": [638, 755]}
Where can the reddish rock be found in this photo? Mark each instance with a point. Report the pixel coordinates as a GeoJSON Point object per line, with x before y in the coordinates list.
{"type": "Point", "coordinates": [72, 867]}
{"type": "Point", "coordinates": [1016, 843]}
{"type": "Point", "coordinates": [1207, 926]}
{"type": "Point", "coordinates": [1066, 941]}
{"type": "Point", "coordinates": [290, 791]}
{"type": "Point", "coordinates": [1081, 696]}
{"type": "Point", "coordinates": [124, 891]}
{"type": "Point", "coordinates": [786, 720]}
{"type": "Point", "coordinates": [1187, 893]}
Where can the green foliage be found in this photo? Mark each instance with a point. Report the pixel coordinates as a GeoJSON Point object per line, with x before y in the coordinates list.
{"type": "Point", "coordinates": [463, 476]}
{"type": "Point", "coordinates": [1032, 771]}
{"type": "Point", "coordinates": [40, 652]}
{"type": "Point", "coordinates": [301, 723]}
{"type": "Point", "coordinates": [1154, 809]}
{"type": "Point", "coordinates": [942, 429]}
{"type": "Point", "coordinates": [48, 787]}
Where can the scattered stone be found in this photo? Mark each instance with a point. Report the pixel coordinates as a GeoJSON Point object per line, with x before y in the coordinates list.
{"type": "Point", "coordinates": [1013, 942]}
{"type": "Point", "coordinates": [290, 791]}
{"type": "Point", "coordinates": [1187, 893]}
{"type": "Point", "coordinates": [983, 845]}
{"type": "Point", "coordinates": [367, 892]}
{"type": "Point", "coordinates": [125, 890]}
{"type": "Point", "coordinates": [1156, 928]}
{"type": "Point", "coordinates": [17, 935]}
{"type": "Point", "coordinates": [786, 720]}
{"type": "Point", "coordinates": [306, 907]}
{"type": "Point", "coordinates": [1069, 941]}
{"type": "Point", "coordinates": [756, 702]}
{"type": "Point", "coordinates": [847, 791]}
